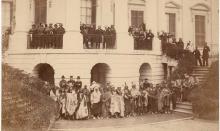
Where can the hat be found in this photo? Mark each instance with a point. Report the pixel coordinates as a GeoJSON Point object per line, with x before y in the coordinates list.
{"type": "Point", "coordinates": [78, 77]}
{"type": "Point", "coordinates": [63, 76]}
{"type": "Point", "coordinates": [145, 79]}
{"type": "Point", "coordinates": [71, 76]}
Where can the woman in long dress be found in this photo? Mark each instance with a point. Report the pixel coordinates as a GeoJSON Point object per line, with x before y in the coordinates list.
{"type": "Point", "coordinates": [82, 111]}
{"type": "Point", "coordinates": [106, 101]}
{"type": "Point", "coordinates": [114, 107]}
{"type": "Point", "coordinates": [71, 103]}
{"type": "Point", "coordinates": [95, 101]}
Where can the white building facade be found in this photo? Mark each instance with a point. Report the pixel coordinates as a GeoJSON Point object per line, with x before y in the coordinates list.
{"type": "Point", "coordinates": [192, 20]}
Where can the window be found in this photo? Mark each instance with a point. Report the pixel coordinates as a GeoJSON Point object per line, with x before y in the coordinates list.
{"type": "Point", "coordinates": [88, 11]}
{"type": "Point", "coordinates": [171, 23]}
{"type": "Point", "coordinates": [40, 11]}
{"type": "Point", "coordinates": [199, 30]}
{"type": "Point", "coordinates": [137, 18]}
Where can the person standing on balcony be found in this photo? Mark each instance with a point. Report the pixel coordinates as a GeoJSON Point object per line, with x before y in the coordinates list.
{"type": "Point", "coordinates": [113, 36]}
{"type": "Point", "coordinates": [205, 55]}
{"type": "Point", "coordinates": [99, 33]}
{"type": "Point", "coordinates": [106, 38]}
{"type": "Point", "coordinates": [197, 55]}
{"type": "Point", "coordinates": [142, 39]}
{"type": "Point", "coordinates": [60, 32]}
{"type": "Point", "coordinates": [91, 34]}
{"type": "Point", "coordinates": [50, 36]}
{"type": "Point", "coordinates": [55, 39]}
{"type": "Point", "coordinates": [84, 32]}
{"type": "Point", "coordinates": [143, 27]}
{"type": "Point", "coordinates": [41, 38]}
{"type": "Point", "coordinates": [180, 46]}
{"type": "Point", "coordinates": [32, 33]}
{"type": "Point", "coordinates": [164, 40]}
{"type": "Point", "coordinates": [149, 39]}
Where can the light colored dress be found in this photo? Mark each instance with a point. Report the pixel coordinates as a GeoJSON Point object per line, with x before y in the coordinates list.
{"type": "Point", "coordinates": [83, 109]}
{"type": "Point", "coordinates": [71, 103]}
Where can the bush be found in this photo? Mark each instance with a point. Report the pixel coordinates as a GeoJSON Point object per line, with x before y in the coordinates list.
{"type": "Point", "coordinates": [31, 90]}
{"type": "Point", "coordinates": [205, 99]}
{"type": "Point", "coordinates": [185, 65]}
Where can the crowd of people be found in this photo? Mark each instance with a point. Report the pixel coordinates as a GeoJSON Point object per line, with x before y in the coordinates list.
{"type": "Point", "coordinates": [44, 36]}
{"type": "Point", "coordinates": [78, 102]}
{"type": "Point", "coordinates": [143, 38]}
{"type": "Point", "coordinates": [96, 38]}
{"type": "Point", "coordinates": [171, 47]}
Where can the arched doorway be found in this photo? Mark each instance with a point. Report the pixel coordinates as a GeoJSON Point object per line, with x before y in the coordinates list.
{"type": "Point", "coordinates": [45, 72]}
{"type": "Point", "coordinates": [100, 72]}
{"type": "Point", "coordinates": [145, 72]}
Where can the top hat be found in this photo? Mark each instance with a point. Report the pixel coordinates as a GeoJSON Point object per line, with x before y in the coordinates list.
{"type": "Point", "coordinates": [63, 76]}
{"type": "Point", "coordinates": [71, 76]}
{"type": "Point", "coordinates": [78, 77]}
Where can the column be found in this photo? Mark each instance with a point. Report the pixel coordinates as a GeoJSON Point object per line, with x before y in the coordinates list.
{"type": "Point", "coordinates": [152, 11]}
{"type": "Point", "coordinates": [22, 25]}
{"type": "Point", "coordinates": [72, 38]}
{"type": "Point", "coordinates": [123, 41]}
{"type": "Point", "coordinates": [160, 23]}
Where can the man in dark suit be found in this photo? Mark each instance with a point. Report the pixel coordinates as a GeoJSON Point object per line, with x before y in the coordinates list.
{"type": "Point", "coordinates": [63, 83]}
{"type": "Point", "coordinates": [99, 33]}
{"type": "Point", "coordinates": [197, 55]}
{"type": "Point", "coordinates": [149, 39]}
{"type": "Point", "coordinates": [205, 55]}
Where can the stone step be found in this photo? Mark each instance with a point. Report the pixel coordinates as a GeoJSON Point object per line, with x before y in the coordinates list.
{"type": "Point", "coordinates": [184, 103]}
{"type": "Point", "coordinates": [182, 106]}
{"type": "Point", "coordinates": [183, 111]}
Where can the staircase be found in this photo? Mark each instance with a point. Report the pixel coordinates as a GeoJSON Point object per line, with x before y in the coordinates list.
{"type": "Point", "coordinates": [201, 75]}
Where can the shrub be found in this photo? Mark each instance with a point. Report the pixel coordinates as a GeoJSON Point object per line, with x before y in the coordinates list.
{"type": "Point", "coordinates": [31, 90]}
{"type": "Point", "coordinates": [205, 99]}
{"type": "Point", "coordinates": [185, 65]}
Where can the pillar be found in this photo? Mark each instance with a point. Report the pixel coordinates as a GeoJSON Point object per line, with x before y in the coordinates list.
{"type": "Point", "coordinates": [124, 42]}
{"type": "Point", "coordinates": [22, 26]}
{"type": "Point", "coordinates": [72, 37]}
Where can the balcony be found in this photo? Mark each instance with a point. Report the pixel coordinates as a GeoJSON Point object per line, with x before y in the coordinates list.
{"type": "Point", "coordinates": [98, 38]}
{"type": "Point", "coordinates": [143, 38]}
{"type": "Point", "coordinates": [94, 41]}
{"type": "Point", "coordinates": [45, 41]}
{"type": "Point", "coordinates": [44, 36]}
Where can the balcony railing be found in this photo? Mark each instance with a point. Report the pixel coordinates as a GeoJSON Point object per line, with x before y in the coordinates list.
{"type": "Point", "coordinates": [45, 41]}
{"type": "Point", "coordinates": [94, 41]}
{"type": "Point", "coordinates": [142, 43]}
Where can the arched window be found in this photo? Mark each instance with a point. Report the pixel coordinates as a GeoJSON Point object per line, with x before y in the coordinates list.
{"type": "Point", "coordinates": [40, 11]}
{"type": "Point", "coordinates": [88, 11]}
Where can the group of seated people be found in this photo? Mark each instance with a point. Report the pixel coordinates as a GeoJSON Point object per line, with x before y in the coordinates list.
{"type": "Point", "coordinates": [143, 37]}
{"type": "Point", "coordinates": [99, 101]}
{"type": "Point", "coordinates": [96, 38]}
{"type": "Point", "coordinates": [44, 36]}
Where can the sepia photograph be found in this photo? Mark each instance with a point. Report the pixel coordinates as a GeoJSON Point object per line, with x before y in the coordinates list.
{"type": "Point", "coordinates": [110, 65]}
